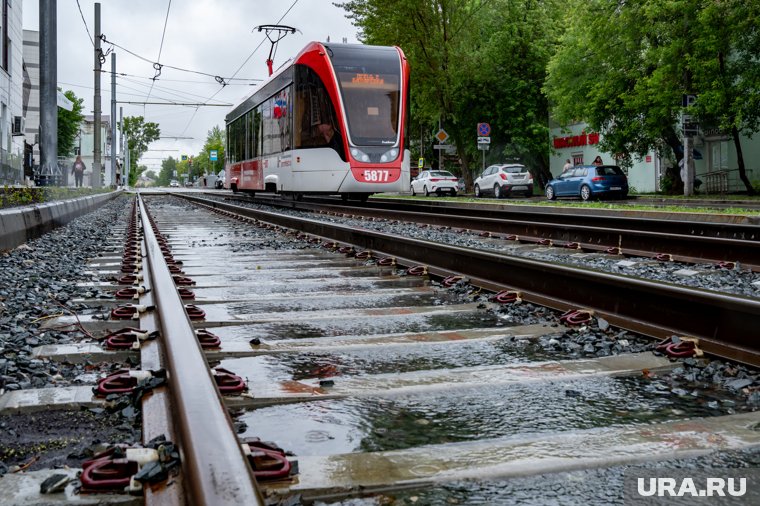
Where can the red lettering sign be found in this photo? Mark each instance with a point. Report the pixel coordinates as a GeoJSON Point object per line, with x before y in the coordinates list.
{"type": "Point", "coordinates": [575, 140]}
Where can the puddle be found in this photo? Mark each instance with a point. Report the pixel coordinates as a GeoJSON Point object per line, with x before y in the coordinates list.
{"type": "Point", "coordinates": [364, 326]}
{"type": "Point", "coordinates": [435, 417]}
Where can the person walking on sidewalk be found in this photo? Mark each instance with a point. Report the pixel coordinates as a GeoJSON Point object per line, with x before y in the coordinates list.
{"type": "Point", "coordinates": [78, 170]}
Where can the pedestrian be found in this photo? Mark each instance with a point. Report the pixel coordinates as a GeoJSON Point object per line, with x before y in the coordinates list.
{"type": "Point", "coordinates": [597, 161]}
{"type": "Point", "coordinates": [78, 170]}
{"type": "Point", "coordinates": [567, 166]}
{"type": "Point", "coordinates": [118, 174]}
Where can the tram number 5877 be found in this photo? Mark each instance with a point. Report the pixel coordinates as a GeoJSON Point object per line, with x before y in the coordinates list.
{"type": "Point", "coordinates": [377, 176]}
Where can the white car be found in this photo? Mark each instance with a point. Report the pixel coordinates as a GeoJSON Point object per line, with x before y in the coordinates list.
{"type": "Point", "coordinates": [174, 183]}
{"type": "Point", "coordinates": [435, 181]}
{"type": "Point", "coordinates": [503, 180]}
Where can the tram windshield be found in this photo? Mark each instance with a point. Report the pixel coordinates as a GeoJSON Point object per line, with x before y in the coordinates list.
{"type": "Point", "coordinates": [369, 79]}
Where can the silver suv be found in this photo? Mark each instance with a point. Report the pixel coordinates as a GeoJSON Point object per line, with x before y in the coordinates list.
{"type": "Point", "coordinates": [503, 180]}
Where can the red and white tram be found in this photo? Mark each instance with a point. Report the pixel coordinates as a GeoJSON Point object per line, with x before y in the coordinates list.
{"type": "Point", "coordinates": [332, 121]}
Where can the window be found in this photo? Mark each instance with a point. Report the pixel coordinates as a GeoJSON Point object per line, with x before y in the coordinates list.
{"type": "Point", "coordinates": [5, 41]}
{"type": "Point", "coordinates": [315, 121]}
{"type": "Point", "coordinates": [577, 158]}
{"type": "Point", "coordinates": [609, 171]}
{"type": "Point", "coordinates": [580, 172]}
{"type": "Point", "coordinates": [370, 82]}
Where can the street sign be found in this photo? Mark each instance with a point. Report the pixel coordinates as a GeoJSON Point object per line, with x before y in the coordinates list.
{"type": "Point", "coordinates": [64, 102]}
{"type": "Point", "coordinates": [484, 140]}
{"type": "Point", "coordinates": [183, 158]}
{"type": "Point", "coordinates": [441, 135]}
{"type": "Point", "coordinates": [688, 100]}
{"type": "Point", "coordinates": [484, 129]}
{"type": "Point", "coordinates": [484, 147]}
{"type": "Point", "coordinates": [213, 155]}
{"type": "Point", "coordinates": [421, 163]}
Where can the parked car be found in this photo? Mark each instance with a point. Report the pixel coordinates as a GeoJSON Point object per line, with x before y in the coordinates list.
{"type": "Point", "coordinates": [503, 180]}
{"type": "Point", "coordinates": [219, 180]}
{"type": "Point", "coordinates": [435, 181]}
{"type": "Point", "coordinates": [174, 183]}
{"type": "Point", "coordinates": [589, 181]}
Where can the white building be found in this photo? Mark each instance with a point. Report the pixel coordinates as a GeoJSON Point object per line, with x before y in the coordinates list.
{"type": "Point", "coordinates": [715, 159]}
{"type": "Point", "coordinates": [31, 52]}
{"type": "Point", "coordinates": [11, 93]}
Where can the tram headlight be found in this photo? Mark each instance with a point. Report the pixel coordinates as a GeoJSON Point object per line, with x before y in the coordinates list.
{"type": "Point", "coordinates": [359, 155]}
{"type": "Point", "coordinates": [389, 155]}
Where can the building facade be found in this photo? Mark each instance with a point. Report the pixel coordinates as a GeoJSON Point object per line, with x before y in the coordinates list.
{"type": "Point", "coordinates": [11, 94]}
{"type": "Point", "coordinates": [716, 160]}
{"type": "Point", "coordinates": [31, 54]}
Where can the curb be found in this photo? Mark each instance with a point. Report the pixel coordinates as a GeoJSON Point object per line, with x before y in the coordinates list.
{"type": "Point", "coordinates": [19, 225]}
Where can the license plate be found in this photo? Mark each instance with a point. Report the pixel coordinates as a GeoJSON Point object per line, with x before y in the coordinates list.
{"type": "Point", "coordinates": [615, 188]}
{"type": "Point", "coordinates": [519, 187]}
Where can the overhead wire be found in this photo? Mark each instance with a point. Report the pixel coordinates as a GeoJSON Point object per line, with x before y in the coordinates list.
{"type": "Point", "coordinates": [157, 65]}
{"type": "Point", "coordinates": [243, 64]}
{"type": "Point", "coordinates": [85, 24]}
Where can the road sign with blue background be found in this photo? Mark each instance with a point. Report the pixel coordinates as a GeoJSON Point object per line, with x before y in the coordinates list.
{"type": "Point", "coordinates": [484, 129]}
{"type": "Point", "coordinates": [213, 155]}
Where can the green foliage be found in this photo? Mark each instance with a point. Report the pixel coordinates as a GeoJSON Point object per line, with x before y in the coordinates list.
{"type": "Point", "coordinates": [623, 67]}
{"type": "Point", "coordinates": [471, 61]}
{"type": "Point", "coordinates": [168, 166]}
{"type": "Point", "coordinates": [668, 186]}
{"type": "Point", "coordinates": [139, 135]}
{"type": "Point", "coordinates": [68, 124]}
{"type": "Point", "coordinates": [22, 196]}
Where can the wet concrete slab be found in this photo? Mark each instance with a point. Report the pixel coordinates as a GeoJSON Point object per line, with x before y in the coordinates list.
{"type": "Point", "coordinates": [523, 456]}
{"type": "Point", "coordinates": [23, 489]}
{"type": "Point", "coordinates": [358, 305]}
{"type": "Point", "coordinates": [292, 323]}
{"type": "Point", "coordinates": [315, 324]}
{"type": "Point", "coordinates": [41, 399]}
{"type": "Point", "coordinates": [94, 352]}
{"type": "Point", "coordinates": [266, 392]}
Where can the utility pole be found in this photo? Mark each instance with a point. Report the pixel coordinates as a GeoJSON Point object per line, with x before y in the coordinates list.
{"type": "Point", "coordinates": [96, 135]}
{"type": "Point", "coordinates": [48, 88]}
{"type": "Point", "coordinates": [124, 172]}
{"type": "Point", "coordinates": [113, 118]}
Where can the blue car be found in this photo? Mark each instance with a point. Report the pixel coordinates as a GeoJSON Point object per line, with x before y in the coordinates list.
{"type": "Point", "coordinates": [588, 182]}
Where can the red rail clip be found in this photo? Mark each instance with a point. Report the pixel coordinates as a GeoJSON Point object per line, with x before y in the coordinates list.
{"type": "Point", "coordinates": [507, 297]}
{"type": "Point", "coordinates": [267, 461]}
{"type": "Point", "coordinates": [576, 316]}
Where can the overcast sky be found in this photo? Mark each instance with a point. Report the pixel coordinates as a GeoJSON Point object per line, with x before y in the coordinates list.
{"type": "Point", "coordinates": [210, 36]}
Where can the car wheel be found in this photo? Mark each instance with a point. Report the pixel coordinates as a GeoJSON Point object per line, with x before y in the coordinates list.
{"type": "Point", "coordinates": [425, 191]}
{"type": "Point", "coordinates": [550, 193]}
{"type": "Point", "coordinates": [497, 191]}
{"type": "Point", "coordinates": [585, 193]}
{"type": "Point", "coordinates": [477, 191]}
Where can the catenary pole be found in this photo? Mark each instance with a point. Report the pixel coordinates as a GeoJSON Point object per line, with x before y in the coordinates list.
{"type": "Point", "coordinates": [96, 124]}
{"type": "Point", "coordinates": [48, 88]}
{"type": "Point", "coordinates": [113, 118]}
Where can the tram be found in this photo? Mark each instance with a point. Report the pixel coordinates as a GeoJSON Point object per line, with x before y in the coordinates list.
{"type": "Point", "coordinates": [332, 121]}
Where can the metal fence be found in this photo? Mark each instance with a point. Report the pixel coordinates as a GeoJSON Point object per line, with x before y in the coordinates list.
{"type": "Point", "coordinates": [725, 181]}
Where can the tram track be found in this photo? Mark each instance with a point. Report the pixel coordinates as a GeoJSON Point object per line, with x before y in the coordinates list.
{"type": "Point", "coordinates": [656, 309]}
{"type": "Point", "coordinates": [676, 238]}
{"type": "Point", "coordinates": [319, 332]}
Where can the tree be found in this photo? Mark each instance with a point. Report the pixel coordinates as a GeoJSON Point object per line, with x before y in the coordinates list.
{"type": "Point", "coordinates": [726, 71]}
{"type": "Point", "coordinates": [623, 67]}
{"type": "Point", "coordinates": [168, 169]}
{"type": "Point", "coordinates": [68, 124]}
{"type": "Point", "coordinates": [139, 134]}
{"type": "Point", "coordinates": [471, 61]}
{"type": "Point", "coordinates": [215, 140]}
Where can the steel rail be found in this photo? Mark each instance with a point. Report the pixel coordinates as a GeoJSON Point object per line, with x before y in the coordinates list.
{"type": "Point", "coordinates": [685, 241]}
{"type": "Point", "coordinates": [214, 467]}
{"type": "Point", "coordinates": [723, 322]}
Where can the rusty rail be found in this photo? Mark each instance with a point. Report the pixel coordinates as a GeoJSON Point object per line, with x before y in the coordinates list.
{"type": "Point", "coordinates": [723, 322]}
{"type": "Point", "coordinates": [687, 241]}
{"type": "Point", "coordinates": [215, 470]}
